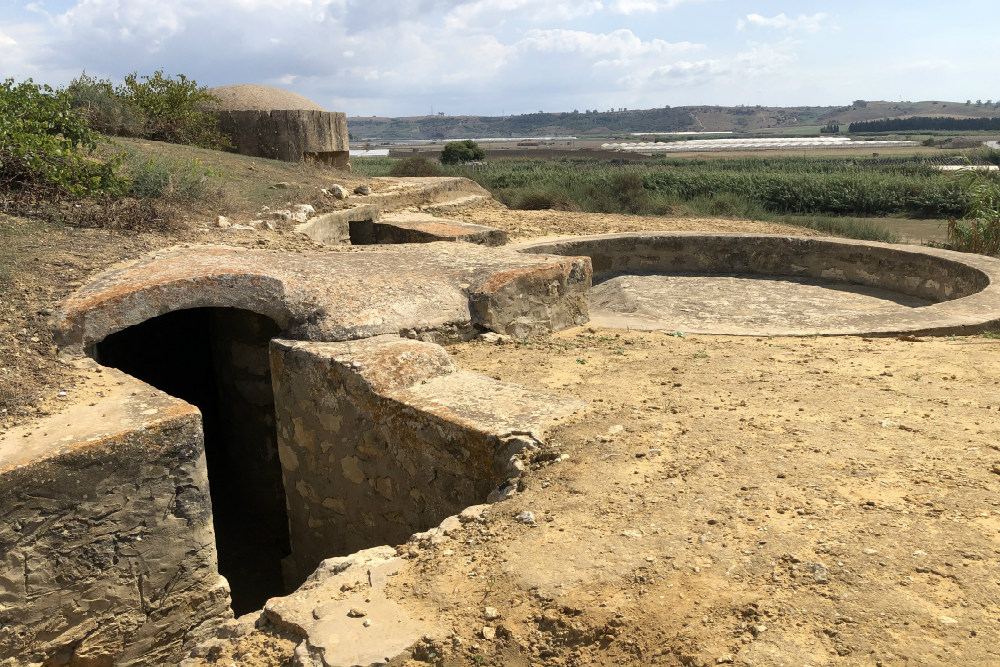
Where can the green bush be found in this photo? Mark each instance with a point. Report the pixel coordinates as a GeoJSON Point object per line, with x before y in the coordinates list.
{"type": "Point", "coordinates": [172, 109]}
{"type": "Point", "coordinates": [979, 228]}
{"type": "Point", "coordinates": [457, 152]}
{"type": "Point", "coordinates": [45, 147]}
{"type": "Point", "coordinates": [97, 101]}
{"type": "Point", "coordinates": [415, 166]}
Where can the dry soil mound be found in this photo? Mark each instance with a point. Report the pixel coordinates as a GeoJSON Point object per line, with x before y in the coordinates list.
{"type": "Point", "coordinates": [253, 97]}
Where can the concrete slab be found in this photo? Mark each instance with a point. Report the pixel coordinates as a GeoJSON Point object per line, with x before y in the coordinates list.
{"type": "Point", "coordinates": [339, 295]}
{"type": "Point", "coordinates": [418, 227]}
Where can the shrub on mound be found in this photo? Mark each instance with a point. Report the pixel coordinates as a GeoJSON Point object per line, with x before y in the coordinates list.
{"type": "Point", "coordinates": [45, 148]}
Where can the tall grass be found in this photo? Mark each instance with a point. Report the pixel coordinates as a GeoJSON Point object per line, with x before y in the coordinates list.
{"type": "Point", "coordinates": [834, 195]}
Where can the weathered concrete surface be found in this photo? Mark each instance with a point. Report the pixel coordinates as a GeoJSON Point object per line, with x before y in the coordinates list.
{"type": "Point", "coordinates": [289, 135]}
{"type": "Point", "coordinates": [354, 293]}
{"type": "Point", "coordinates": [333, 228]}
{"type": "Point", "coordinates": [107, 553]}
{"type": "Point", "coordinates": [964, 288]}
{"type": "Point", "coordinates": [383, 437]}
{"type": "Point", "coordinates": [417, 227]}
{"type": "Point", "coordinates": [320, 612]}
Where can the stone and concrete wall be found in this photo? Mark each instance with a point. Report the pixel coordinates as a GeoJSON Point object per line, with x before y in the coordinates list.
{"type": "Point", "coordinates": [920, 272]}
{"type": "Point", "coordinates": [965, 286]}
{"type": "Point", "coordinates": [289, 135]}
{"type": "Point", "coordinates": [384, 437]}
{"type": "Point", "coordinates": [108, 553]}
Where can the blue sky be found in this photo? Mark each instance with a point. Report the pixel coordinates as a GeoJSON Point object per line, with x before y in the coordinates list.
{"type": "Point", "coordinates": [412, 57]}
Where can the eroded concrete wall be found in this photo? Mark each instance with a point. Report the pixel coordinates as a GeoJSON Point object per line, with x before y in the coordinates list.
{"type": "Point", "coordinates": [289, 135]}
{"type": "Point", "coordinates": [384, 437]}
{"type": "Point", "coordinates": [107, 553]}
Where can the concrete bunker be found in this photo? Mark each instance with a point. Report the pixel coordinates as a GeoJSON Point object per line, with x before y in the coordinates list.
{"type": "Point", "coordinates": [217, 360]}
{"type": "Point", "coordinates": [269, 122]}
{"type": "Point", "coordinates": [350, 435]}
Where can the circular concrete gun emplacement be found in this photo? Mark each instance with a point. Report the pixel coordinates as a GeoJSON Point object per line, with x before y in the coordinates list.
{"type": "Point", "coordinates": [744, 284]}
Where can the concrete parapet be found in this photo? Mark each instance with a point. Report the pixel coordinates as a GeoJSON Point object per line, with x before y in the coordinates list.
{"type": "Point", "coordinates": [964, 287]}
{"type": "Point", "coordinates": [407, 227]}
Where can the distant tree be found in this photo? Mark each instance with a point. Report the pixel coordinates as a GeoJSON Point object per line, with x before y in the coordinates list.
{"type": "Point", "coordinates": [861, 104]}
{"type": "Point", "coordinates": [457, 152]}
{"type": "Point", "coordinates": [968, 102]}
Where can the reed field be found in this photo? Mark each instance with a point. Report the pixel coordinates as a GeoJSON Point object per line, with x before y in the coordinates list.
{"type": "Point", "coordinates": [836, 195]}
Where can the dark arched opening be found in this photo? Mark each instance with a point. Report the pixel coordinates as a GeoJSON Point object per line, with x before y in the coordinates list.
{"type": "Point", "coordinates": [217, 359]}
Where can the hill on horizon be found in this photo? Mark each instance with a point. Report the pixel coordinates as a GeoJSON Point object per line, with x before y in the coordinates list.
{"type": "Point", "coordinates": [666, 119]}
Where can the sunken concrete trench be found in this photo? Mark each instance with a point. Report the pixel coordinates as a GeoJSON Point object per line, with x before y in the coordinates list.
{"type": "Point", "coordinates": [258, 428]}
{"type": "Point", "coordinates": [250, 416]}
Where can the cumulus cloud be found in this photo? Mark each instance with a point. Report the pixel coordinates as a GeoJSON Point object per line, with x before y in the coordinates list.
{"type": "Point", "coordinates": [783, 22]}
{"type": "Point", "coordinates": [640, 6]}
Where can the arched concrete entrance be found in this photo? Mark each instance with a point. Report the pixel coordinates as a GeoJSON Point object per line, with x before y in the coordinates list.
{"type": "Point", "coordinates": [217, 359]}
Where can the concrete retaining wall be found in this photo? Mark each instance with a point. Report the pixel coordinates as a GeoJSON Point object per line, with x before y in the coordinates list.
{"type": "Point", "coordinates": [384, 437]}
{"type": "Point", "coordinates": [106, 524]}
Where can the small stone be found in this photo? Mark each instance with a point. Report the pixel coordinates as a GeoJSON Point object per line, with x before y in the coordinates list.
{"type": "Point", "coordinates": [472, 513]}
{"type": "Point", "coordinates": [614, 430]}
{"type": "Point", "coordinates": [367, 623]}
{"type": "Point", "coordinates": [819, 572]}
{"type": "Point", "coordinates": [948, 620]}
{"type": "Point", "coordinates": [448, 552]}
{"type": "Point", "coordinates": [357, 613]}
{"type": "Point", "coordinates": [869, 552]}
{"type": "Point", "coordinates": [526, 517]}
{"type": "Point", "coordinates": [362, 190]}
{"type": "Point", "coordinates": [281, 185]}
{"type": "Point", "coordinates": [489, 633]}
{"type": "Point", "coordinates": [222, 222]}
{"type": "Point", "coordinates": [337, 191]}
{"type": "Point", "coordinates": [491, 613]}
{"type": "Point", "coordinates": [655, 452]}
{"type": "Point", "coordinates": [725, 659]}
{"type": "Point", "coordinates": [495, 338]}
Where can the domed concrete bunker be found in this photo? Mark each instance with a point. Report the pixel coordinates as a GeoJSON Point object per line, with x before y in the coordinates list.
{"type": "Point", "coordinates": [269, 122]}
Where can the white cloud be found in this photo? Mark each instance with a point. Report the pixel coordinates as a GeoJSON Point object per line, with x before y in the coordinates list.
{"type": "Point", "coordinates": [783, 22]}
{"type": "Point", "coordinates": [639, 6]}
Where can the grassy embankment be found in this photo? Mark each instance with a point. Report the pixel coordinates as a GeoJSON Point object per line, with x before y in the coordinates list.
{"type": "Point", "coordinates": [843, 196]}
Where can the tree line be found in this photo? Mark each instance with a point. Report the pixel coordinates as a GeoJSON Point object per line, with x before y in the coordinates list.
{"type": "Point", "coordinates": [919, 123]}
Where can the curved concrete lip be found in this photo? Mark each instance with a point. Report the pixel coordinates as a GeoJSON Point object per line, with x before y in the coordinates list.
{"type": "Point", "coordinates": [962, 291]}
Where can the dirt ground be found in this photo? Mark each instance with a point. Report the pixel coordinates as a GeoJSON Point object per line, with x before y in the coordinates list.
{"type": "Point", "coordinates": [724, 500]}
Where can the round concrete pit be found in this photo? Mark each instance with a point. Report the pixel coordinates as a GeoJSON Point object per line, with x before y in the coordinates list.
{"type": "Point", "coordinates": [744, 284]}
